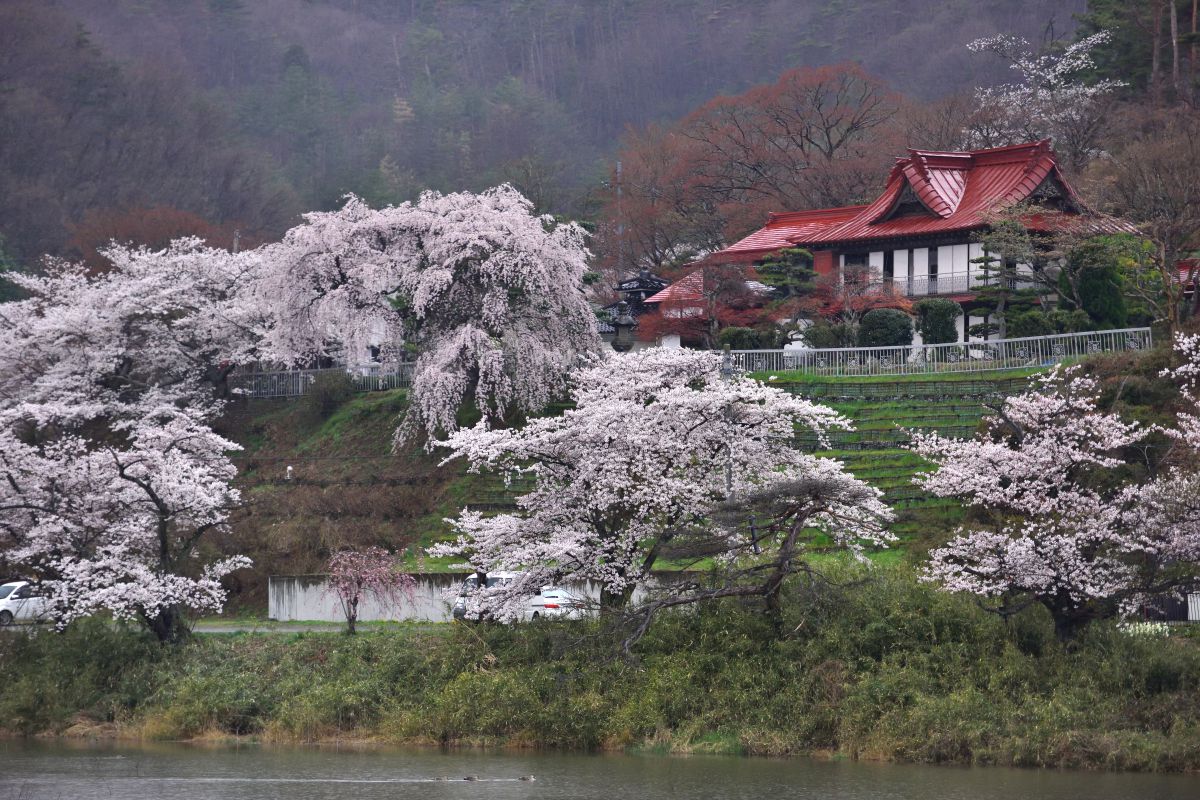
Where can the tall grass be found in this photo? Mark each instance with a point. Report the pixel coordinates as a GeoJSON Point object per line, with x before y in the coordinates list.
{"type": "Point", "coordinates": [879, 667]}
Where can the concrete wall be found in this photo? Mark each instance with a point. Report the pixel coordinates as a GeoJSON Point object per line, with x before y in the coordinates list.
{"type": "Point", "coordinates": [305, 598]}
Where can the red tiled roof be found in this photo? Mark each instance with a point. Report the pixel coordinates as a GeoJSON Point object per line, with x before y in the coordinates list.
{"type": "Point", "coordinates": [685, 290]}
{"type": "Point", "coordinates": [958, 192]}
{"type": "Point", "coordinates": [783, 230]}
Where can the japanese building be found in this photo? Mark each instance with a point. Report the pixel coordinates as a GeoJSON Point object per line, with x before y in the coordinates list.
{"type": "Point", "coordinates": [917, 239]}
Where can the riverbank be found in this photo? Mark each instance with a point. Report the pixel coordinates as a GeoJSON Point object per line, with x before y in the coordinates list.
{"type": "Point", "coordinates": [882, 669]}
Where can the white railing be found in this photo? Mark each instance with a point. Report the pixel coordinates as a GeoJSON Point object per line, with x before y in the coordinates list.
{"type": "Point", "coordinates": [1033, 351]}
{"type": "Point", "coordinates": [296, 382]}
{"type": "Point", "coordinates": [948, 283]}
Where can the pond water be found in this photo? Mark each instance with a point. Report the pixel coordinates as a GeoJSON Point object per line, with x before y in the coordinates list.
{"type": "Point", "coordinates": [57, 771]}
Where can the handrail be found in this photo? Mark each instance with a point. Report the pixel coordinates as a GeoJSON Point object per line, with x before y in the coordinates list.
{"type": "Point", "coordinates": [296, 382]}
{"type": "Point", "coordinates": [980, 356]}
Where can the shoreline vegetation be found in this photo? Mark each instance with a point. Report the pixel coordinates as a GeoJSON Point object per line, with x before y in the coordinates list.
{"type": "Point", "coordinates": [873, 666]}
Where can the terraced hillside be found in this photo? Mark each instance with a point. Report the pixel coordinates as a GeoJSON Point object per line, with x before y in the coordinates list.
{"type": "Point", "coordinates": [885, 414]}
{"type": "Point", "coordinates": [347, 487]}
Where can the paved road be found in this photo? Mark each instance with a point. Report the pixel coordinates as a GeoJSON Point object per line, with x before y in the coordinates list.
{"type": "Point", "coordinates": [260, 626]}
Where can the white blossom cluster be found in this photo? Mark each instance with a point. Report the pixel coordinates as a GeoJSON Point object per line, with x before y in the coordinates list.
{"type": "Point", "coordinates": [1050, 101]}
{"type": "Point", "coordinates": [487, 293]}
{"type": "Point", "coordinates": [110, 473]}
{"type": "Point", "coordinates": [1067, 531]}
{"type": "Point", "coordinates": [1146, 629]}
{"type": "Point", "coordinates": [648, 447]}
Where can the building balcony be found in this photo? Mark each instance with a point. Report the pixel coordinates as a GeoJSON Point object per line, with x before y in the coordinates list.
{"type": "Point", "coordinates": [952, 283]}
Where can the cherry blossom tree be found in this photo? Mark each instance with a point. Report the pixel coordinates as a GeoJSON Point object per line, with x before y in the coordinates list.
{"type": "Point", "coordinates": [371, 574]}
{"type": "Point", "coordinates": [1051, 100]}
{"type": "Point", "coordinates": [487, 294]}
{"type": "Point", "coordinates": [1054, 523]}
{"type": "Point", "coordinates": [111, 476]}
{"type": "Point", "coordinates": [656, 439]}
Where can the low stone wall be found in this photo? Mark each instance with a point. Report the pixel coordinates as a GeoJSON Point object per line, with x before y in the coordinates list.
{"type": "Point", "coordinates": [306, 598]}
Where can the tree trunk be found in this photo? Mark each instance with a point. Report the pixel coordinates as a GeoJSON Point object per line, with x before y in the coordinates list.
{"type": "Point", "coordinates": [615, 601]}
{"type": "Point", "coordinates": [351, 615]}
{"type": "Point", "coordinates": [1175, 50]}
{"type": "Point", "coordinates": [1171, 287]}
{"type": "Point", "coordinates": [168, 625]}
{"type": "Point", "coordinates": [1192, 55]}
{"type": "Point", "coordinates": [1156, 54]}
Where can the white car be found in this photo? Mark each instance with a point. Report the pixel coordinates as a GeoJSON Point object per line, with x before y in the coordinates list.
{"type": "Point", "coordinates": [556, 603]}
{"type": "Point", "coordinates": [20, 601]}
{"type": "Point", "coordinates": [550, 602]}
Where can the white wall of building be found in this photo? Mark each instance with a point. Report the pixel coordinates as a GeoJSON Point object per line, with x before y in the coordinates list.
{"type": "Point", "coordinates": [920, 263]}
{"type": "Point", "coordinates": [900, 265]}
{"type": "Point", "coordinates": [974, 268]}
{"type": "Point", "coordinates": [962, 259]}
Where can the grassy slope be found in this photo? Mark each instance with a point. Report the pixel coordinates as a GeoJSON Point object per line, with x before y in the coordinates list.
{"type": "Point", "coordinates": [347, 487]}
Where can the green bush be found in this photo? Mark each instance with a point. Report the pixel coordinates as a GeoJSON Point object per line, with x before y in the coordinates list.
{"type": "Point", "coordinates": [1067, 321]}
{"type": "Point", "coordinates": [874, 664]}
{"type": "Point", "coordinates": [1100, 283]}
{"type": "Point", "coordinates": [885, 327]}
{"type": "Point", "coordinates": [823, 334]}
{"type": "Point", "coordinates": [937, 320]}
{"type": "Point", "coordinates": [748, 338]}
{"type": "Point", "coordinates": [1029, 323]}
{"type": "Point", "coordinates": [328, 392]}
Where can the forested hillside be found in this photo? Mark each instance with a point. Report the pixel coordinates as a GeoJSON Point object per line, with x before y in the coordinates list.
{"type": "Point", "coordinates": [228, 118]}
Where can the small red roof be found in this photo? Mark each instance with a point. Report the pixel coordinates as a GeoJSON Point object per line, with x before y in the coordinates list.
{"type": "Point", "coordinates": [688, 289]}
{"type": "Point", "coordinates": [928, 192]}
{"type": "Point", "coordinates": [784, 230]}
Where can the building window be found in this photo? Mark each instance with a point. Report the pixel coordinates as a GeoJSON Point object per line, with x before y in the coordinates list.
{"type": "Point", "coordinates": [889, 264]}
{"type": "Point", "coordinates": [855, 259]}
{"type": "Point", "coordinates": [933, 263]}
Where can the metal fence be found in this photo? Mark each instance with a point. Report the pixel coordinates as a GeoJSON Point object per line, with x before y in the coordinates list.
{"type": "Point", "coordinates": [296, 382]}
{"type": "Point", "coordinates": [1029, 352]}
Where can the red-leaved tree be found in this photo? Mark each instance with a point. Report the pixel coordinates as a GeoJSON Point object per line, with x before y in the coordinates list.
{"type": "Point", "coordinates": [816, 137]}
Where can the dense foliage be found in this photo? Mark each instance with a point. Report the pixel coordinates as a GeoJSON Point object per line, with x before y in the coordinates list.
{"type": "Point", "coordinates": [881, 669]}
{"type": "Point", "coordinates": [654, 441]}
{"type": "Point", "coordinates": [885, 327]}
{"type": "Point", "coordinates": [246, 113]}
{"type": "Point", "coordinates": [937, 320]}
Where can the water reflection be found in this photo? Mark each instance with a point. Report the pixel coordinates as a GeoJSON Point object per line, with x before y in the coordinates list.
{"type": "Point", "coordinates": [37, 771]}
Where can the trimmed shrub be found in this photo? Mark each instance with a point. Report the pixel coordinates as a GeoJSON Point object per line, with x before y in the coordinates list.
{"type": "Point", "coordinates": [822, 334]}
{"type": "Point", "coordinates": [885, 327]}
{"type": "Point", "coordinates": [747, 338]}
{"type": "Point", "coordinates": [1029, 323]}
{"type": "Point", "coordinates": [937, 320]}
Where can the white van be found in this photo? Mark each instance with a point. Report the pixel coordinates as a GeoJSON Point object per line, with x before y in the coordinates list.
{"type": "Point", "coordinates": [20, 601]}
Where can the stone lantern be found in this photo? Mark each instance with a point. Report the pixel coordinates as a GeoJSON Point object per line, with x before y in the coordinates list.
{"type": "Point", "coordinates": [623, 325]}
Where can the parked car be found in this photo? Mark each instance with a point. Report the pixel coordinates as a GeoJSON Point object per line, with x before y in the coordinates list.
{"type": "Point", "coordinates": [556, 603]}
{"type": "Point", "coordinates": [20, 601]}
{"type": "Point", "coordinates": [469, 585]}
{"type": "Point", "coordinates": [550, 602]}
